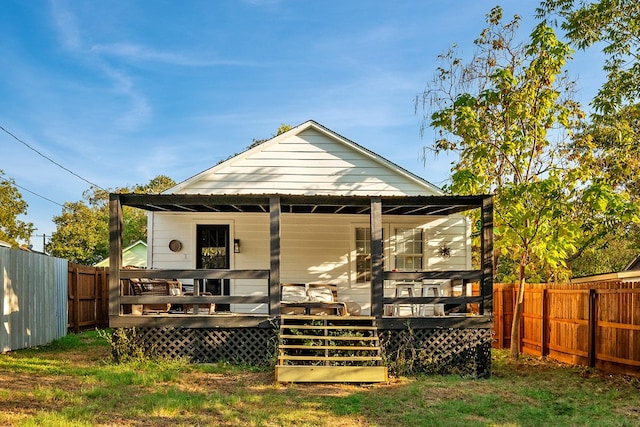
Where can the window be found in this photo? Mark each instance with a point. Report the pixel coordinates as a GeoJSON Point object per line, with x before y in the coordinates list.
{"type": "Point", "coordinates": [408, 249]}
{"type": "Point", "coordinates": [363, 254]}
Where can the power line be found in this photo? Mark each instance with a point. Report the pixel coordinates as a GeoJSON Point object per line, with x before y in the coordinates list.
{"type": "Point", "coordinates": [51, 160]}
{"type": "Point", "coordinates": [29, 191]}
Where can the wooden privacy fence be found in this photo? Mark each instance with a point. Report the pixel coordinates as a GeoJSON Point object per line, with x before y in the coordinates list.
{"type": "Point", "coordinates": [591, 324]}
{"type": "Point", "coordinates": [88, 302]}
{"type": "Point", "coordinates": [33, 299]}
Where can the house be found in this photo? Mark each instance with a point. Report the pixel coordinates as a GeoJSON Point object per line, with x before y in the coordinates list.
{"type": "Point", "coordinates": [310, 206]}
{"type": "Point", "coordinates": [633, 265]}
{"type": "Point", "coordinates": [133, 255]}
{"type": "Point", "coordinates": [631, 273]}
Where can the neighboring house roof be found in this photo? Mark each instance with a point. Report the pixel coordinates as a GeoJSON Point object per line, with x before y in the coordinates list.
{"type": "Point", "coordinates": [631, 273]}
{"type": "Point", "coordinates": [309, 159]}
{"type": "Point", "coordinates": [623, 276]}
{"type": "Point", "coordinates": [4, 244]}
{"type": "Point", "coordinates": [133, 255]}
{"type": "Point", "coordinates": [633, 265]}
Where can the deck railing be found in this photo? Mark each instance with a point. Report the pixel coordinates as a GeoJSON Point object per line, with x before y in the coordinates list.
{"type": "Point", "coordinates": [198, 277]}
{"type": "Point", "coordinates": [462, 277]}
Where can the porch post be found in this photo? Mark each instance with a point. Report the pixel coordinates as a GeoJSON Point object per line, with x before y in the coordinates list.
{"type": "Point", "coordinates": [377, 283]}
{"type": "Point", "coordinates": [274, 275]}
{"type": "Point", "coordinates": [487, 255]}
{"type": "Point", "coordinates": [115, 253]}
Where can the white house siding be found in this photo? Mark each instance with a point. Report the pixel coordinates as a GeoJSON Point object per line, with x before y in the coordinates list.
{"type": "Point", "coordinates": [308, 163]}
{"type": "Point", "coordinates": [315, 248]}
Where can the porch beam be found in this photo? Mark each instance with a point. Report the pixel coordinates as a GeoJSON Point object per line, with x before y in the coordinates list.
{"type": "Point", "coordinates": [225, 299]}
{"type": "Point", "coordinates": [115, 253]}
{"type": "Point", "coordinates": [275, 250]}
{"type": "Point", "coordinates": [377, 279]}
{"type": "Point", "coordinates": [192, 321]}
{"type": "Point", "coordinates": [193, 274]}
{"type": "Point", "coordinates": [467, 275]}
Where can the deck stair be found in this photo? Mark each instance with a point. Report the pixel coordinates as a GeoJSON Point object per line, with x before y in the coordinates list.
{"type": "Point", "coordinates": [329, 349]}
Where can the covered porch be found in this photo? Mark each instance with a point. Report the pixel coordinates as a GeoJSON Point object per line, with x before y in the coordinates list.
{"type": "Point", "coordinates": [454, 332]}
{"type": "Point", "coordinates": [374, 207]}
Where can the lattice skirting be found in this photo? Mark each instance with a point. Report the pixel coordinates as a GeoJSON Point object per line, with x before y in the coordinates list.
{"type": "Point", "coordinates": [405, 352]}
{"type": "Point", "coordinates": [438, 351]}
{"type": "Point", "coordinates": [253, 346]}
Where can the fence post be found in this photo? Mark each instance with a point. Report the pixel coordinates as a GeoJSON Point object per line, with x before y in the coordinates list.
{"type": "Point", "coordinates": [104, 284]}
{"type": "Point", "coordinates": [520, 342]}
{"type": "Point", "coordinates": [593, 322]}
{"type": "Point", "coordinates": [75, 298]}
{"type": "Point", "coordinates": [544, 334]}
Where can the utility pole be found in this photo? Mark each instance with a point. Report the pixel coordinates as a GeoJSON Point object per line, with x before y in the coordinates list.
{"type": "Point", "coordinates": [44, 241]}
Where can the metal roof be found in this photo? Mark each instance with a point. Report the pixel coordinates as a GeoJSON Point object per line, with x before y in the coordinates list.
{"type": "Point", "coordinates": [391, 205]}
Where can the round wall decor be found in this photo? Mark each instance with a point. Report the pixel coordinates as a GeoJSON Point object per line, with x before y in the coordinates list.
{"type": "Point", "coordinates": [175, 245]}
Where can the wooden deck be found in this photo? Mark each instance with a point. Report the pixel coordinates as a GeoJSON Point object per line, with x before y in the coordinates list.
{"type": "Point", "coordinates": [239, 320]}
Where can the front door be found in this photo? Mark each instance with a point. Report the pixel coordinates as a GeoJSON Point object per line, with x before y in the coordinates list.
{"type": "Point", "coordinates": [213, 253]}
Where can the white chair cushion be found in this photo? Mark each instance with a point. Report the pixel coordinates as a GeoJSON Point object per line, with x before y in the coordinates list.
{"type": "Point", "coordinates": [294, 294]}
{"type": "Point", "coordinates": [320, 294]}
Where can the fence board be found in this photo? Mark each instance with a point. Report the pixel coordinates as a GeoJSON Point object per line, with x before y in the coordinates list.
{"type": "Point", "coordinates": [88, 297]}
{"type": "Point", "coordinates": [504, 297]}
{"type": "Point", "coordinates": [34, 294]}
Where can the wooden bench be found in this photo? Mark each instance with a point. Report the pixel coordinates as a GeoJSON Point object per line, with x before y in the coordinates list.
{"type": "Point", "coordinates": [314, 298]}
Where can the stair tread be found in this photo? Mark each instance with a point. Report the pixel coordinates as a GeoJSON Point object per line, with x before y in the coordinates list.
{"type": "Point", "coordinates": [328, 337]}
{"type": "Point", "coordinates": [329, 347]}
{"type": "Point", "coordinates": [332, 327]}
{"type": "Point", "coordinates": [331, 358]}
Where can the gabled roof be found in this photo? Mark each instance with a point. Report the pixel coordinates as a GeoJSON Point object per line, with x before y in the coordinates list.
{"type": "Point", "coordinates": [309, 159]}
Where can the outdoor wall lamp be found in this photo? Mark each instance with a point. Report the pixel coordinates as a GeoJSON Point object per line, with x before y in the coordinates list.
{"type": "Point", "coordinates": [236, 246]}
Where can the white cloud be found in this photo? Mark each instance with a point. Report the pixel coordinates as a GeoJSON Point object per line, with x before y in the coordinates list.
{"type": "Point", "coordinates": [139, 109]}
{"type": "Point", "coordinates": [66, 25]}
{"type": "Point", "coordinates": [138, 52]}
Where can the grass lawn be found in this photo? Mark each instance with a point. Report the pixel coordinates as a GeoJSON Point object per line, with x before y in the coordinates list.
{"type": "Point", "coordinates": [72, 382]}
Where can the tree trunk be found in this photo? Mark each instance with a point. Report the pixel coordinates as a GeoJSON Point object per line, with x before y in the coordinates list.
{"type": "Point", "coordinates": [514, 350]}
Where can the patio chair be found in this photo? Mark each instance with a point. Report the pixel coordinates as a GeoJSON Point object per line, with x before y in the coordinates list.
{"type": "Point", "coordinates": [142, 287]}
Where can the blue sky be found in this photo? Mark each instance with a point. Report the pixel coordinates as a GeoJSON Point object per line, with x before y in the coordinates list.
{"type": "Point", "coordinates": [121, 91]}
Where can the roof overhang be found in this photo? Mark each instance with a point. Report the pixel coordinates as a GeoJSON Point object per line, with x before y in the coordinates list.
{"type": "Point", "coordinates": [391, 205]}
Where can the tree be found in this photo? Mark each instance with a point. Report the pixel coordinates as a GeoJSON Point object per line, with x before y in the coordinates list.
{"type": "Point", "coordinates": [509, 115]}
{"type": "Point", "coordinates": [282, 129]}
{"type": "Point", "coordinates": [82, 229]}
{"type": "Point", "coordinates": [614, 25]}
{"type": "Point", "coordinates": [610, 148]}
{"type": "Point", "coordinates": [13, 229]}
{"type": "Point", "coordinates": [610, 144]}
{"type": "Point", "coordinates": [81, 234]}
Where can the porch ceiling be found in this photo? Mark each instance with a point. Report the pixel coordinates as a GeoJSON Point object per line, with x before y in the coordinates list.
{"type": "Point", "coordinates": [391, 205]}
